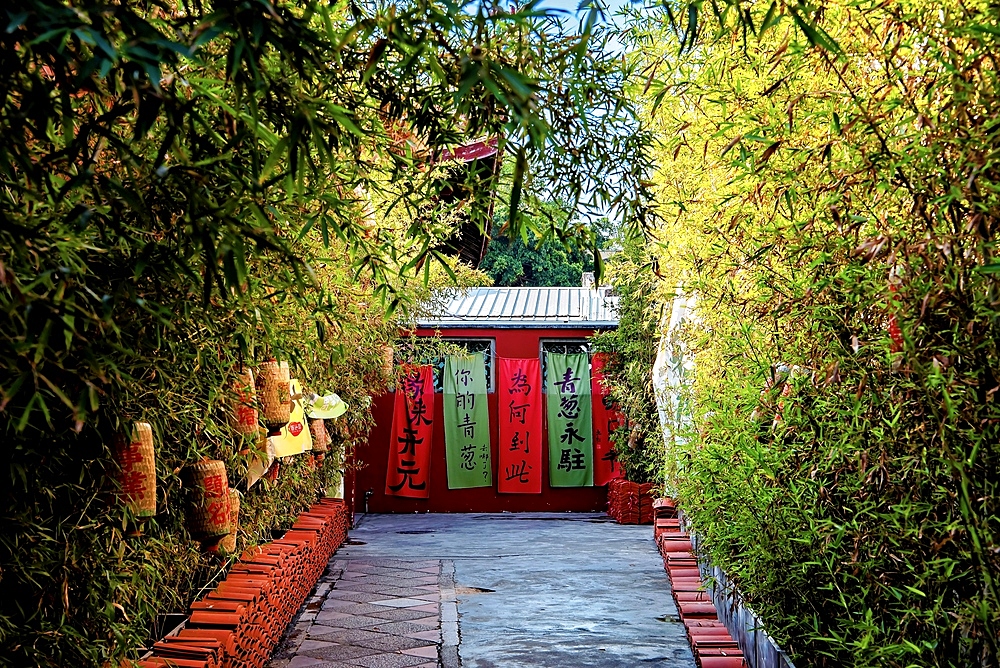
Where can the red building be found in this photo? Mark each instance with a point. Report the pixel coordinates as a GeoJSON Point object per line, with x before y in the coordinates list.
{"type": "Point", "coordinates": [502, 323]}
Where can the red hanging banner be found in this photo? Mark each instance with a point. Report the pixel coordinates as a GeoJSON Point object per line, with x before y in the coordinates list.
{"type": "Point", "coordinates": [607, 417]}
{"type": "Point", "coordinates": [519, 410]}
{"type": "Point", "coordinates": [408, 471]}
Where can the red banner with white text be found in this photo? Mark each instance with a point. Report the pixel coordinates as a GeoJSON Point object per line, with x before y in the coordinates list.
{"type": "Point", "coordinates": [408, 471]}
{"type": "Point", "coordinates": [607, 417]}
{"type": "Point", "coordinates": [519, 410]}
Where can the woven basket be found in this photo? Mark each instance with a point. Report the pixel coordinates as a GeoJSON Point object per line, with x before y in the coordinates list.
{"type": "Point", "coordinates": [137, 465]}
{"type": "Point", "coordinates": [320, 437]}
{"type": "Point", "coordinates": [272, 391]}
{"type": "Point", "coordinates": [228, 543]}
{"type": "Point", "coordinates": [208, 499]}
{"type": "Point", "coordinates": [388, 361]}
{"type": "Point", "coordinates": [245, 410]}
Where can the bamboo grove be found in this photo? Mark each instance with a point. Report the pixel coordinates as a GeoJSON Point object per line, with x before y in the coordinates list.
{"type": "Point", "coordinates": [827, 188]}
{"type": "Point", "coordinates": [190, 187]}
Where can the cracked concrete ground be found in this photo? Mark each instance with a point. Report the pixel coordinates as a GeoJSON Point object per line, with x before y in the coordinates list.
{"type": "Point", "coordinates": [491, 591]}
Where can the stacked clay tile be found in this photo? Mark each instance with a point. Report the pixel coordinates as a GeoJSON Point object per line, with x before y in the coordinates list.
{"type": "Point", "coordinates": [711, 642]}
{"type": "Point", "coordinates": [630, 502]}
{"type": "Point", "coordinates": [239, 624]}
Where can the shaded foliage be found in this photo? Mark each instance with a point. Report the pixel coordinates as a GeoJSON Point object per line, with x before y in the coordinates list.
{"type": "Point", "coordinates": [828, 192]}
{"type": "Point", "coordinates": [186, 188]}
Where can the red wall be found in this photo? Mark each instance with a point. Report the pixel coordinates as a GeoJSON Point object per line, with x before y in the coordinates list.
{"type": "Point", "coordinates": [371, 460]}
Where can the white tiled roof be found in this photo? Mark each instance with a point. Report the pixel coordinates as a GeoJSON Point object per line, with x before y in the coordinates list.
{"type": "Point", "coordinates": [528, 307]}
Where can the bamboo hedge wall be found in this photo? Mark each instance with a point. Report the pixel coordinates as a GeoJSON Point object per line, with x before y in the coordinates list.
{"type": "Point", "coordinates": [828, 192]}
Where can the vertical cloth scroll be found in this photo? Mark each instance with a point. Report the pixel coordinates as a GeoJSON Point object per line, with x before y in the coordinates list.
{"type": "Point", "coordinates": [607, 418]}
{"type": "Point", "coordinates": [519, 410]}
{"type": "Point", "coordinates": [408, 471]}
{"type": "Point", "coordinates": [571, 443]}
{"type": "Point", "coordinates": [466, 422]}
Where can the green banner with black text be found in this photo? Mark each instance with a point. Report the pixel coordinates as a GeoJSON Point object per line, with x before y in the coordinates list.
{"type": "Point", "coordinates": [571, 439]}
{"type": "Point", "coordinates": [466, 422]}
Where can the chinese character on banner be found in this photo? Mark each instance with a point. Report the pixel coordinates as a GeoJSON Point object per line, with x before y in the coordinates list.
{"type": "Point", "coordinates": [607, 417]}
{"type": "Point", "coordinates": [412, 434]}
{"type": "Point", "coordinates": [466, 422]}
{"type": "Point", "coordinates": [519, 403]}
{"type": "Point", "coordinates": [571, 432]}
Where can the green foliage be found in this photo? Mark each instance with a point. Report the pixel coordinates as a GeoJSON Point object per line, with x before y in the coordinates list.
{"type": "Point", "coordinates": [810, 197]}
{"type": "Point", "coordinates": [185, 189]}
{"type": "Point", "coordinates": [515, 263]}
{"type": "Point", "coordinates": [629, 371]}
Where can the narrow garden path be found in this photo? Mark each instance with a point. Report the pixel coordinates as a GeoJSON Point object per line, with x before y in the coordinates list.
{"type": "Point", "coordinates": [491, 591]}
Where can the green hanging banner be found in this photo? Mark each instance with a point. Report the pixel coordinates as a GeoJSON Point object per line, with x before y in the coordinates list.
{"type": "Point", "coordinates": [571, 439]}
{"type": "Point", "coordinates": [466, 422]}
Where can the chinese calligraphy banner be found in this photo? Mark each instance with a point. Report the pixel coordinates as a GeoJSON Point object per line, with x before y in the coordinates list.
{"type": "Point", "coordinates": [519, 407]}
{"type": "Point", "coordinates": [412, 432]}
{"type": "Point", "coordinates": [607, 417]}
{"type": "Point", "coordinates": [571, 443]}
{"type": "Point", "coordinates": [466, 422]}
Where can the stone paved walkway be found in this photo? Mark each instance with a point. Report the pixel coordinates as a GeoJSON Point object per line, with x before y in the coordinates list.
{"type": "Point", "coordinates": [375, 613]}
{"type": "Point", "coordinates": [520, 590]}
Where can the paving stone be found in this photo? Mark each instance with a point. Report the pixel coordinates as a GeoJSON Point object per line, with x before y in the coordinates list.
{"type": "Point", "coordinates": [400, 603]}
{"type": "Point", "coordinates": [336, 604]}
{"type": "Point", "coordinates": [352, 636]}
{"type": "Point", "coordinates": [362, 609]}
{"type": "Point", "coordinates": [330, 615]}
{"type": "Point", "coordinates": [403, 614]}
{"type": "Point", "coordinates": [387, 661]}
{"type": "Point", "coordinates": [401, 628]}
{"type": "Point", "coordinates": [391, 643]}
{"type": "Point", "coordinates": [434, 635]}
{"type": "Point", "coordinates": [303, 661]}
{"type": "Point", "coordinates": [353, 596]}
{"type": "Point", "coordinates": [427, 621]}
{"type": "Point", "coordinates": [435, 597]}
{"type": "Point", "coordinates": [308, 645]}
{"type": "Point", "coordinates": [340, 652]}
{"type": "Point", "coordinates": [426, 651]}
{"type": "Point", "coordinates": [350, 622]}
{"type": "Point", "coordinates": [347, 628]}
{"type": "Point", "coordinates": [387, 589]}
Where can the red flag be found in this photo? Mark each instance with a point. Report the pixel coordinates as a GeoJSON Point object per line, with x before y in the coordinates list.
{"type": "Point", "coordinates": [408, 471]}
{"type": "Point", "coordinates": [607, 417]}
{"type": "Point", "coordinates": [519, 410]}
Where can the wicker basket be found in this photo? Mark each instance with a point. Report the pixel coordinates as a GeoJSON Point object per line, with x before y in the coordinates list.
{"type": "Point", "coordinates": [245, 410]}
{"type": "Point", "coordinates": [136, 459]}
{"type": "Point", "coordinates": [208, 499]}
{"type": "Point", "coordinates": [388, 362]}
{"type": "Point", "coordinates": [228, 543]}
{"type": "Point", "coordinates": [272, 391]}
{"type": "Point", "coordinates": [320, 437]}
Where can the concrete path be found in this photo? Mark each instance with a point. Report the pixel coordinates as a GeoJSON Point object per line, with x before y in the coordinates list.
{"type": "Point", "coordinates": [515, 590]}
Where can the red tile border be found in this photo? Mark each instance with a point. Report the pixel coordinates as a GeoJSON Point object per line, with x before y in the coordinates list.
{"type": "Point", "coordinates": [238, 624]}
{"type": "Point", "coordinates": [711, 642]}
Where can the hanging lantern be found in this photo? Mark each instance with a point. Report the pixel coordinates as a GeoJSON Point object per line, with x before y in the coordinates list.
{"type": "Point", "coordinates": [245, 411]}
{"type": "Point", "coordinates": [388, 362]}
{"type": "Point", "coordinates": [137, 470]}
{"type": "Point", "coordinates": [320, 437]}
{"type": "Point", "coordinates": [208, 499]}
{"type": "Point", "coordinates": [228, 544]}
{"type": "Point", "coordinates": [272, 392]}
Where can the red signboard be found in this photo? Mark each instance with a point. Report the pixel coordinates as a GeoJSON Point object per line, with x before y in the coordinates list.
{"type": "Point", "coordinates": [412, 431]}
{"type": "Point", "coordinates": [607, 417]}
{"type": "Point", "coordinates": [519, 410]}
